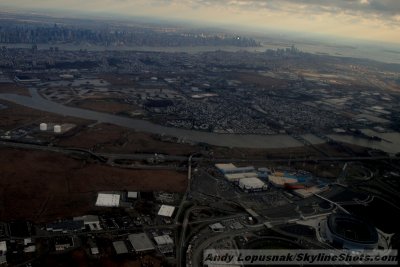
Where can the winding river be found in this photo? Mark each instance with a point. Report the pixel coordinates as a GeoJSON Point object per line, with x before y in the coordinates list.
{"type": "Point", "coordinates": [391, 144]}
{"type": "Point", "coordinates": [226, 140]}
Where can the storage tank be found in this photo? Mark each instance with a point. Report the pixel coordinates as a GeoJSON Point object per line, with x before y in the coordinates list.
{"type": "Point", "coordinates": [57, 128]}
{"type": "Point", "coordinates": [43, 127]}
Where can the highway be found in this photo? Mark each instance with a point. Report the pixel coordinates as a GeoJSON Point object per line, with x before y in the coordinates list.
{"type": "Point", "coordinates": [143, 156]}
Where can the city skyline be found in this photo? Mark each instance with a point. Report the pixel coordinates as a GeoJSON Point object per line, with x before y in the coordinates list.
{"type": "Point", "coordinates": [360, 19]}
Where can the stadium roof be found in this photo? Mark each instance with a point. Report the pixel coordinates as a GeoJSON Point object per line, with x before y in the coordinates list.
{"type": "Point", "coordinates": [166, 211]}
{"type": "Point", "coordinates": [141, 242]}
{"type": "Point", "coordinates": [107, 200]}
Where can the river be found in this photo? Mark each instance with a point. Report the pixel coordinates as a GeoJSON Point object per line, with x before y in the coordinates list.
{"type": "Point", "coordinates": [390, 144]}
{"type": "Point", "coordinates": [226, 140]}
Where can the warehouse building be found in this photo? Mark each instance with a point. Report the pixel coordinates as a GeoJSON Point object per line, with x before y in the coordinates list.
{"type": "Point", "coordinates": [231, 168]}
{"type": "Point", "coordinates": [163, 240]}
{"type": "Point", "coordinates": [141, 242]}
{"type": "Point", "coordinates": [3, 252]}
{"type": "Point", "coordinates": [132, 195]}
{"type": "Point", "coordinates": [166, 211]}
{"type": "Point", "coordinates": [309, 191]}
{"type": "Point", "coordinates": [281, 181]}
{"type": "Point", "coordinates": [235, 177]}
{"type": "Point", "coordinates": [65, 226]}
{"type": "Point", "coordinates": [90, 221]}
{"type": "Point", "coordinates": [252, 184]}
{"type": "Point", "coordinates": [108, 200]}
{"type": "Point", "coordinates": [164, 243]}
{"type": "Point", "coordinates": [120, 247]}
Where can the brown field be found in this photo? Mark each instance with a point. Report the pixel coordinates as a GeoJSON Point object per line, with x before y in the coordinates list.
{"type": "Point", "coordinates": [43, 186]}
{"type": "Point", "coordinates": [11, 88]}
{"type": "Point", "coordinates": [111, 138]}
{"type": "Point", "coordinates": [17, 115]}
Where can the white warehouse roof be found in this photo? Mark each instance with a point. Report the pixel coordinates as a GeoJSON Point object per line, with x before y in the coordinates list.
{"type": "Point", "coordinates": [132, 194]}
{"type": "Point", "coordinates": [237, 176]}
{"type": "Point", "coordinates": [225, 167]}
{"type": "Point", "coordinates": [107, 200]}
{"type": "Point", "coordinates": [3, 246]}
{"type": "Point", "coordinates": [163, 240]}
{"type": "Point", "coordinates": [166, 210]}
{"type": "Point", "coordinates": [251, 183]}
{"type": "Point", "coordinates": [141, 242]}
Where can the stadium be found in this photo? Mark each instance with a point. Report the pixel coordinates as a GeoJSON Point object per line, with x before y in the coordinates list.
{"type": "Point", "coordinates": [348, 232]}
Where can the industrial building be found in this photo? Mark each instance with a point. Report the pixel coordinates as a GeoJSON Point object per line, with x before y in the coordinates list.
{"type": "Point", "coordinates": [217, 227]}
{"type": "Point", "coordinates": [3, 252]}
{"type": "Point", "coordinates": [108, 200]}
{"type": "Point", "coordinates": [309, 191]}
{"type": "Point", "coordinates": [65, 226]}
{"type": "Point", "coordinates": [120, 247]}
{"type": "Point", "coordinates": [247, 178]}
{"type": "Point", "coordinates": [281, 181]}
{"type": "Point", "coordinates": [163, 240]}
{"type": "Point", "coordinates": [347, 232]}
{"type": "Point", "coordinates": [165, 244]}
{"type": "Point", "coordinates": [231, 169]}
{"type": "Point", "coordinates": [141, 242]}
{"type": "Point", "coordinates": [91, 221]}
{"type": "Point", "coordinates": [235, 177]}
{"type": "Point", "coordinates": [62, 243]}
{"type": "Point", "coordinates": [132, 195]}
{"type": "Point", "coordinates": [252, 184]}
{"type": "Point", "coordinates": [166, 211]}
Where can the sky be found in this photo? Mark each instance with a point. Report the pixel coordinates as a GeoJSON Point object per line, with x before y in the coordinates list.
{"type": "Point", "coordinates": [377, 20]}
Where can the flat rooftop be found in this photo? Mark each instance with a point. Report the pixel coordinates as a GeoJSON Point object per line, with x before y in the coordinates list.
{"type": "Point", "coordinates": [166, 211]}
{"type": "Point", "coordinates": [141, 242]}
{"type": "Point", "coordinates": [108, 200]}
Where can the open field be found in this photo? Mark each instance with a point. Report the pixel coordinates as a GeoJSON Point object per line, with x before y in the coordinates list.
{"type": "Point", "coordinates": [111, 138]}
{"type": "Point", "coordinates": [17, 115]}
{"type": "Point", "coordinates": [43, 186]}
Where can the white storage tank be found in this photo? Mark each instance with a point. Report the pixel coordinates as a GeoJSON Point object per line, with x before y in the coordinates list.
{"type": "Point", "coordinates": [57, 128]}
{"type": "Point", "coordinates": [43, 127]}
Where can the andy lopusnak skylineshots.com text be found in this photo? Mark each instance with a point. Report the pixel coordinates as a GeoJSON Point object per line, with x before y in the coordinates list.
{"type": "Point", "coordinates": [303, 257]}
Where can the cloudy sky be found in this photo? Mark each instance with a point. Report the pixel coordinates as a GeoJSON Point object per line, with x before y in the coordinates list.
{"type": "Point", "coordinates": [365, 19]}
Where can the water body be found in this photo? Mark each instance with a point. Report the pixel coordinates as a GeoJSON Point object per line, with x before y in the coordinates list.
{"type": "Point", "coordinates": [226, 140]}
{"type": "Point", "coordinates": [389, 144]}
